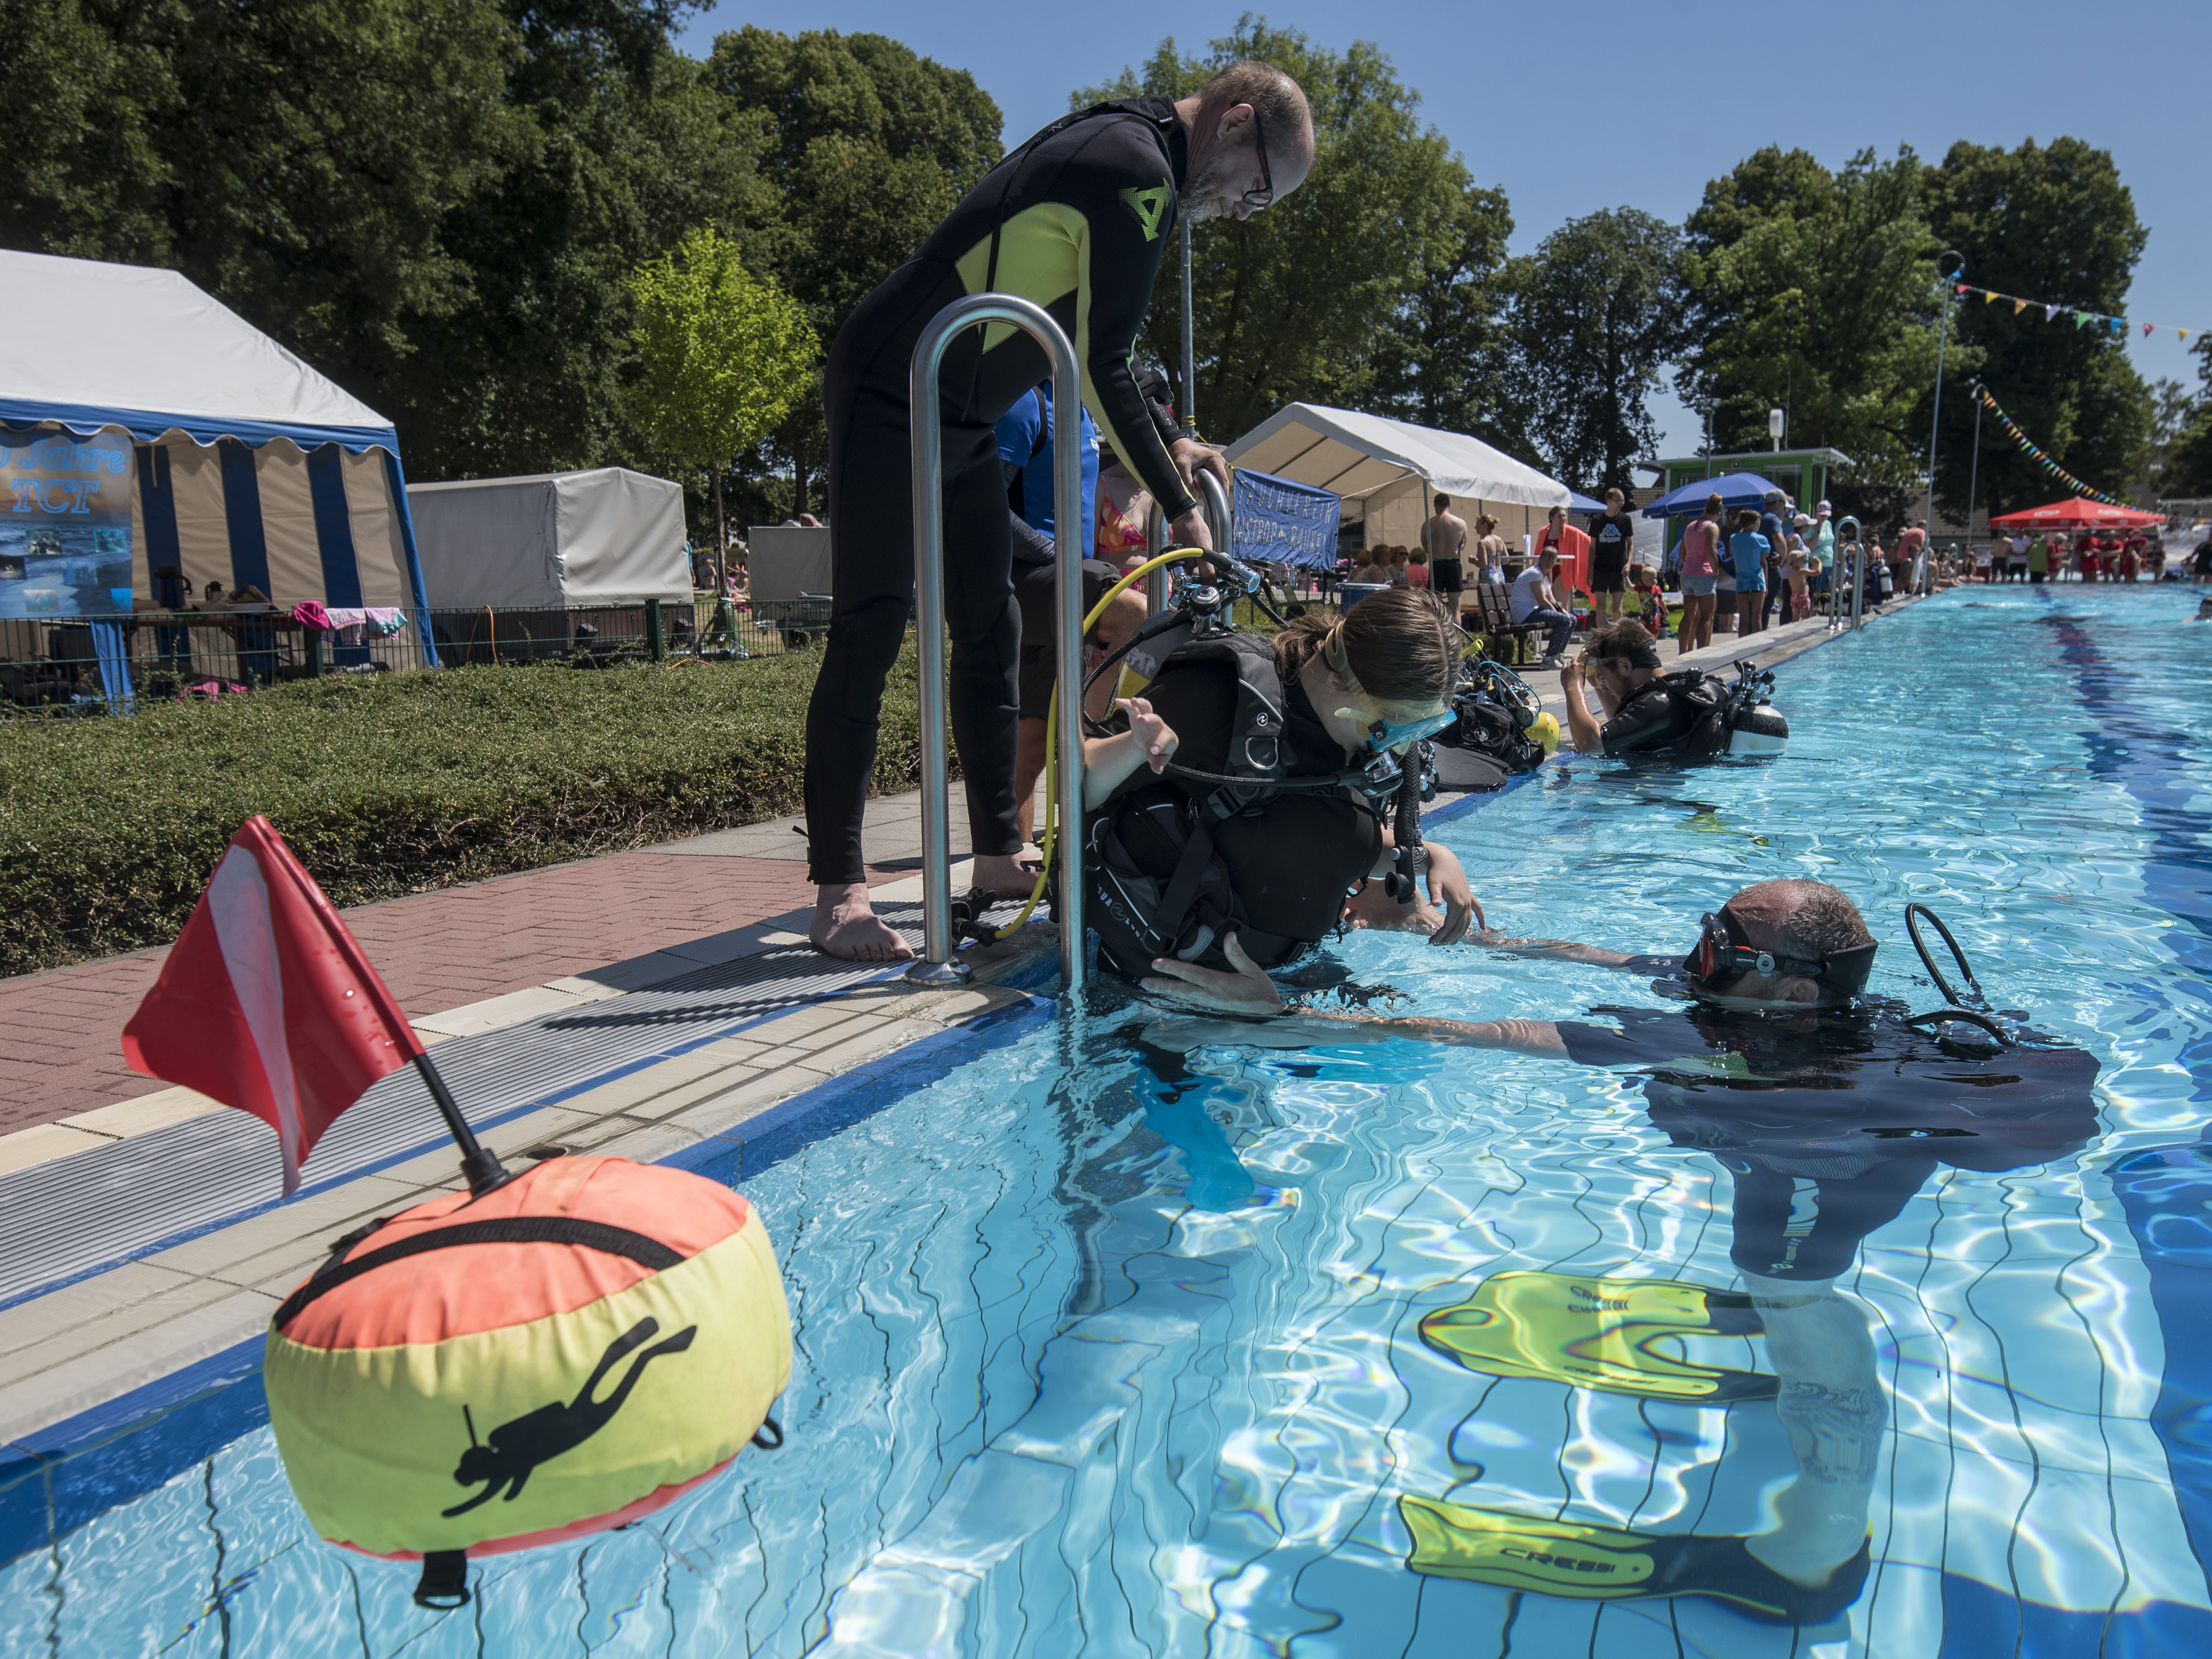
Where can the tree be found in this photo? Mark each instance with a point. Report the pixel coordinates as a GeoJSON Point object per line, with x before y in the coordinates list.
{"type": "Point", "coordinates": [2055, 224]}
{"type": "Point", "coordinates": [2185, 468]}
{"type": "Point", "coordinates": [1815, 293]}
{"type": "Point", "coordinates": [721, 355]}
{"type": "Point", "coordinates": [1439, 365]}
{"type": "Point", "coordinates": [867, 146]}
{"type": "Point", "coordinates": [1596, 312]}
{"type": "Point", "coordinates": [1296, 303]}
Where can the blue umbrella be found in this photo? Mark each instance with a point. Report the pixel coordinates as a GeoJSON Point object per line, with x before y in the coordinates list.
{"type": "Point", "coordinates": [1583, 504]}
{"type": "Point", "coordinates": [1736, 489]}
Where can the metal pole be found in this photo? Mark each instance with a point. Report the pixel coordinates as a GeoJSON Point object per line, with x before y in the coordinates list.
{"type": "Point", "coordinates": [1936, 421]}
{"type": "Point", "coordinates": [1974, 472]}
{"type": "Point", "coordinates": [1155, 543]}
{"type": "Point", "coordinates": [656, 639]}
{"type": "Point", "coordinates": [937, 964]}
{"type": "Point", "coordinates": [1189, 411]}
{"type": "Point", "coordinates": [1218, 515]}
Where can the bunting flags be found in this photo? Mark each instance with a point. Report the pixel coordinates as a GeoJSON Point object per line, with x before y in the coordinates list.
{"type": "Point", "coordinates": [2052, 312]}
{"type": "Point", "coordinates": [2036, 455]}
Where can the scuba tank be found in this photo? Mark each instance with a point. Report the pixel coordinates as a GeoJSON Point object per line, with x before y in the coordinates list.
{"type": "Point", "coordinates": [1502, 731]}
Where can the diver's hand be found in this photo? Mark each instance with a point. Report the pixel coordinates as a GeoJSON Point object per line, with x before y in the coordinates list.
{"type": "Point", "coordinates": [1449, 887]}
{"type": "Point", "coordinates": [1192, 458]}
{"type": "Point", "coordinates": [1152, 736]}
{"type": "Point", "coordinates": [1192, 530]}
{"type": "Point", "coordinates": [1248, 990]}
{"type": "Point", "coordinates": [1372, 906]}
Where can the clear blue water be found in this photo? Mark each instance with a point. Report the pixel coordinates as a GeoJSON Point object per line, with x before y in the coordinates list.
{"type": "Point", "coordinates": [1083, 1372]}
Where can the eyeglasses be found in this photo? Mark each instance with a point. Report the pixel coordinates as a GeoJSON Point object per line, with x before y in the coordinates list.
{"type": "Point", "coordinates": [1257, 199]}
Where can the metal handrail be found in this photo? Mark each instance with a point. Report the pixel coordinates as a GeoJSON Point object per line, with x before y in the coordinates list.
{"type": "Point", "coordinates": [937, 964]}
{"type": "Point", "coordinates": [1851, 548]}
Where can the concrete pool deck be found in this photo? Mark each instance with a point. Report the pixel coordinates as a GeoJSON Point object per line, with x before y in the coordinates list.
{"type": "Point", "coordinates": [143, 1248]}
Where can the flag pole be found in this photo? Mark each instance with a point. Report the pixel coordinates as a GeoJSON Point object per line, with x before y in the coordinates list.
{"type": "Point", "coordinates": [479, 1163]}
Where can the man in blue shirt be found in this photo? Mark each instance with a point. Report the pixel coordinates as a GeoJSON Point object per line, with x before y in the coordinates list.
{"type": "Point", "coordinates": [1025, 441]}
{"type": "Point", "coordinates": [1747, 549]}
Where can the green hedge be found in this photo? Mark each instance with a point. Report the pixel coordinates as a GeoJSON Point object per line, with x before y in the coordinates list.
{"type": "Point", "coordinates": [392, 784]}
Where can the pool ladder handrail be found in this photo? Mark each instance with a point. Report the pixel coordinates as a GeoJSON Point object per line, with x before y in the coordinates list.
{"type": "Point", "coordinates": [1853, 548]}
{"type": "Point", "coordinates": [938, 964]}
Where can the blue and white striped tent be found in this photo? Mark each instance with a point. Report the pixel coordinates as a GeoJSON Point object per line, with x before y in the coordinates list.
{"type": "Point", "coordinates": [251, 469]}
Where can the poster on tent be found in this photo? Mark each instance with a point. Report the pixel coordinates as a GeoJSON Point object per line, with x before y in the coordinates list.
{"type": "Point", "coordinates": [1281, 521]}
{"type": "Point", "coordinates": [65, 524]}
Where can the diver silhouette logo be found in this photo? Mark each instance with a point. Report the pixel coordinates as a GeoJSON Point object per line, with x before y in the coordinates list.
{"type": "Point", "coordinates": [538, 1436]}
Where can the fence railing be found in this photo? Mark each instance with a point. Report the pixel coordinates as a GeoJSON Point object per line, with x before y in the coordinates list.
{"type": "Point", "coordinates": [60, 666]}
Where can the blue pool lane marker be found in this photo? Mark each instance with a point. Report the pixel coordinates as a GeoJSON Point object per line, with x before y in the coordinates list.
{"type": "Point", "coordinates": [2164, 1191]}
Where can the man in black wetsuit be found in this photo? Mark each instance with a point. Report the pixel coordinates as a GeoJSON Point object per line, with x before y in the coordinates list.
{"type": "Point", "coordinates": [1643, 712]}
{"type": "Point", "coordinates": [1076, 220]}
{"type": "Point", "coordinates": [1830, 1111]}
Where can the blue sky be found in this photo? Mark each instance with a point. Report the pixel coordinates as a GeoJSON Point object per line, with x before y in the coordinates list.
{"type": "Point", "coordinates": [1579, 105]}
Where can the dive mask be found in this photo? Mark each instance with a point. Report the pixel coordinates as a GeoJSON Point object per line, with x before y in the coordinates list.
{"type": "Point", "coordinates": [1386, 736]}
{"type": "Point", "coordinates": [1721, 957]}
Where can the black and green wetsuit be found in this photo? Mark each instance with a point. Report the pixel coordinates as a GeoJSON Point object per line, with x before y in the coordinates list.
{"type": "Point", "coordinates": [1079, 216]}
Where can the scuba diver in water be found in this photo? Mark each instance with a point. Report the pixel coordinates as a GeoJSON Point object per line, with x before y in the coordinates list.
{"type": "Point", "coordinates": [1258, 782]}
{"type": "Point", "coordinates": [1686, 714]}
{"type": "Point", "coordinates": [1830, 1110]}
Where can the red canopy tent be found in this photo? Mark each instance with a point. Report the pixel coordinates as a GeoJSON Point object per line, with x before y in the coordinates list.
{"type": "Point", "coordinates": [2080, 513]}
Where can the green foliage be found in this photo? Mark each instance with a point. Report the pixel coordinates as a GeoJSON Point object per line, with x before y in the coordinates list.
{"type": "Point", "coordinates": [721, 354]}
{"type": "Point", "coordinates": [2052, 223]}
{"type": "Point", "coordinates": [394, 784]}
{"type": "Point", "coordinates": [867, 146]}
{"type": "Point", "coordinates": [2185, 467]}
{"type": "Point", "coordinates": [1297, 302]}
{"type": "Point", "coordinates": [1814, 293]}
{"type": "Point", "coordinates": [1596, 310]}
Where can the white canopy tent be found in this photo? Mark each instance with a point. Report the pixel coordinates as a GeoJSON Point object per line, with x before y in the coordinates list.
{"type": "Point", "coordinates": [239, 464]}
{"type": "Point", "coordinates": [554, 539]}
{"type": "Point", "coordinates": [1386, 471]}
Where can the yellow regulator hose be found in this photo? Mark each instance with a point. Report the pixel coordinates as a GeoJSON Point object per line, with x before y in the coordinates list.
{"type": "Point", "coordinates": [1173, 556]}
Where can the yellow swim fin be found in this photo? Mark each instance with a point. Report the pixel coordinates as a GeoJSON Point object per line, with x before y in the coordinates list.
{"type": "Point", "coordinates": [1607, 1564]}
{"type": "Point", "coordinates": [1599, 1334]}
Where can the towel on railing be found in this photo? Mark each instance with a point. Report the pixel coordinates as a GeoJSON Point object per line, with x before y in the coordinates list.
{"type": "Point", "coordinates": [309, 613]}
{"type": "Point", "coordinates": [378, 620]}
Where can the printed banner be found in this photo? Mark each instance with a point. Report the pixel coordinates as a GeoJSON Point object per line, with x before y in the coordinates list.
{"type": "Point", "coordinates": [1285, 522]}
{"type": "Point", "coordinates": [65, 525]}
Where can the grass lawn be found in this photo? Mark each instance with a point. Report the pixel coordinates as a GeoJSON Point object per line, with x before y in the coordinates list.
{"type": "Point", "coordinates": [392, 784]}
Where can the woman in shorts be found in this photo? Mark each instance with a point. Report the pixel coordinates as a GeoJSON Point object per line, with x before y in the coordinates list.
{"type": "Point", "coordinates": [1700, 578]}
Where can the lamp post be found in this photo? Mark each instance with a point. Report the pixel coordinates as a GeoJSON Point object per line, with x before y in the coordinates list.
{"type": "Point", "coordinates": [1958, 264]}
{"type": "Point", "coordinates": [1974, 472]}
{"type": "Point", "coordinates": [1189, 356]}
{"type": "Point", "coordinates": [1774, 419]}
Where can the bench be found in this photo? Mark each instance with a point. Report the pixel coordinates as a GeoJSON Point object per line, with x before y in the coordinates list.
{"type": "Point", "coordinates": [1493, 600]}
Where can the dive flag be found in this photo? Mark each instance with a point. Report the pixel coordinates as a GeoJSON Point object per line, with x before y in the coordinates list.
{"type": "Point", "coordinates": [268, 1003]}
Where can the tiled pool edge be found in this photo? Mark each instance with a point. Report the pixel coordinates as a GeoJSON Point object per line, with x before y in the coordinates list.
{"type": "Point", "coordinates": [68, 1474]}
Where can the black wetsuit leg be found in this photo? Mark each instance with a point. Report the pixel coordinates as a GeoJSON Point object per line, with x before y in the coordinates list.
{"type": "Point", "coordinates": [872, 550]}
{"type": "Point", "coordinates": [1797, 1227]}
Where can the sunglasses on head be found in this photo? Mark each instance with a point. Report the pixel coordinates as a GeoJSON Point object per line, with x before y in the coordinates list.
{"type": "Point", "coordinates": [1721, 957]}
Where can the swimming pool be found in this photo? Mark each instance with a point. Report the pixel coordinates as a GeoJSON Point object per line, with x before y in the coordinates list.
{"type": "Point", "coordinates": [1084, 1369]}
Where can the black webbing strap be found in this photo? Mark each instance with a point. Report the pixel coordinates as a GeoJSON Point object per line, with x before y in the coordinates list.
{"type": "Point", "coordinates": [512, 1229]}
{"type": "Point", "coordinates": [1183, 887]}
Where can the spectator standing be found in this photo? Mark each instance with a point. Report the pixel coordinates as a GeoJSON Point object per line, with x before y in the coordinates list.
{"type": "Point", "coordinates": [1911, 543]}
{"type": "Point", "coordinates": [1492, 547]}
{"type": "Point", "coordinates": [1613, 538]}
{"type": "Point", "coordinates": [1747, 549]}
{"type": "Point", "coordinates": [1534, 600]}
{"type": "Point", "coordinates": [1571, 545]}
{"type": "Point", "coordinates": [1443, 538]}
{"type": "Point", "coordinates": [1798, 603]}
{"type": "Point", "coordinates": [1701, 570]}
{"type": "Point", "coordinates": [1651, 603]}
{"type": "Point", "coordinates": [2039, 559]}
{"type": "Point", "coordinates": [2016, 560]}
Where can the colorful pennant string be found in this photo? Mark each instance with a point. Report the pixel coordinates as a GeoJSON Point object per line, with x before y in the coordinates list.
{"type": "Point", "coordinates": [2036, 455]}
{"type": "Point", "coordinates": [2051, 313]}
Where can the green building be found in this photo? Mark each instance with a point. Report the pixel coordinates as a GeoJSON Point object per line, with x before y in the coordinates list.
{"type": "Point", "coordinates": [1803, 472]}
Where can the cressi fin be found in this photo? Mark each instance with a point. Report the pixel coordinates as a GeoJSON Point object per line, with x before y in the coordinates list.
{"type": "Point", "coordinates": [1606, 1563]}
{"type": "Point", "coordinates": [1599, 1334]}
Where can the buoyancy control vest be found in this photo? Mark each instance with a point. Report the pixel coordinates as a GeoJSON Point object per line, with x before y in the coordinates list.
{"type": "Point", "coordinates": [1175, 863]}
{"type": "Point", "coordinates": [1691, 715]}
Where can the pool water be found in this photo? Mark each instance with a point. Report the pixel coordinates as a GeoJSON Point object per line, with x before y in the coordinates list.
{"type": "Point", "coordinates": [1083, 1368]}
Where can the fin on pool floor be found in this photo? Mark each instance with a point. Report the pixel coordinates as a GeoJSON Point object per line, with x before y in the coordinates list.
{"type": "Point", "coordinates": [1607, 1564]}
{"type": "Point", "coordinates": [1599, 1334]}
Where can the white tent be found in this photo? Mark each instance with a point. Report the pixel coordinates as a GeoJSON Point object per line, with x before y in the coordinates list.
{"type": "Point", "coordinates": [556, 539]}
{"type": "Point", "coordinates": [211, 449]}
{"type": "Point", "coordinates": [1386, 471]}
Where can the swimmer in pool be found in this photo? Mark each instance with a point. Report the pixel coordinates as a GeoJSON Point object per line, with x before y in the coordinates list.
{"type": "Point", "coordinates": [1830, 1110]}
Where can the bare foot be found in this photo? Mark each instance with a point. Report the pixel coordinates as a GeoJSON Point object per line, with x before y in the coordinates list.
{"type": "Point", "coordinates": [1004, 875]}
{"type": "Point", "coordinates": [846, 926]}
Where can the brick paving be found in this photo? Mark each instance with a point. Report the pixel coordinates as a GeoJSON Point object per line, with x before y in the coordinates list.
{"type": "Point", "coordinates": [59, 1051]}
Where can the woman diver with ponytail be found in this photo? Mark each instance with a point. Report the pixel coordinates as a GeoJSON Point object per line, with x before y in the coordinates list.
{"type": "Point", "coordinates": [1260, 783]}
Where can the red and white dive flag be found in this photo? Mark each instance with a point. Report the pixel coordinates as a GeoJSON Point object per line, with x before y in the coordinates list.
{"type": "Point", "coordinates": [267, 1003]}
